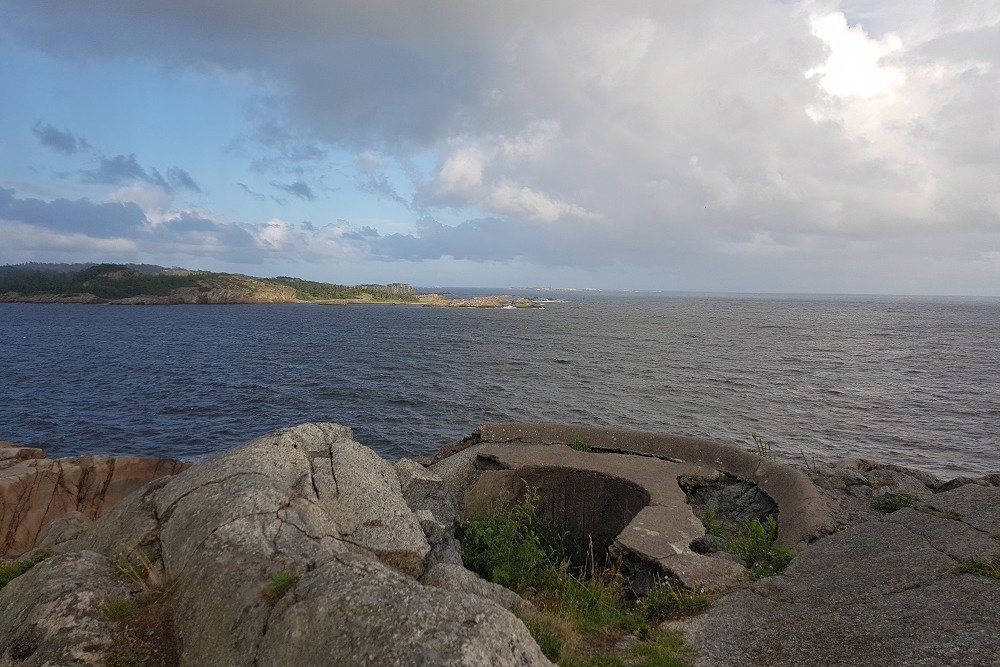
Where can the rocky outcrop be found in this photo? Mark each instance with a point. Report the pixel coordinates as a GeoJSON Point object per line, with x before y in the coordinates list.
{"type": "Point", "coordinates": [298, 548]}
{"type": "Point", "coordinates": [34, 490]}
{"type": "Point", "coordinates": [886, 591]}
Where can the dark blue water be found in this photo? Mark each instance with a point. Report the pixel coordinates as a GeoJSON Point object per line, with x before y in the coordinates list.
{"type": "Point", "coordinates": [910, 380]}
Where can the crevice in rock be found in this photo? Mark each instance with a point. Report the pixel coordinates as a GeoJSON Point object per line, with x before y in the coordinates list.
{"type": "Point", "coordinates": [168, 512]}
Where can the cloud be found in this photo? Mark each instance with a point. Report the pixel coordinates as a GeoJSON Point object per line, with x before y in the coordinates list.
{"type": "Point", "coordinates": [298, 189]}
{"type": "Point", "coordinates": [125, 169]}
{"type": "Point", "coordinates": [113, 219]}
{"type": "Point", "coordinates": [662, 134]}
{"type": "Point", "coordinates": [256, 195]}
{"type": "Point", "coordinates": [61, 141]}
{"type": "Point", "coordinates": [181, 180]}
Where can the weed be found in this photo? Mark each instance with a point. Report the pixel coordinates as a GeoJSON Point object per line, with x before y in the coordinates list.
{"type": "Point", "coordinates": [579, 445]}
{"type": "Point", "coordinates": [984, 568]}
{"type": "Point", "coordinates": [580, 610]}
{"type": "Point", "coordinates": [712, 525]}
{"type": "Point", "coordinates": [12, 569]}
{"type": "Point", "coordinates": [660, 649]}
{"type": "Point", "coordinates": [280, 583]}
{"type": "Point", "coordinates": [810, 465]}
{"type": "Point", "coordinates": [757, 548]}
{"type": "Point", "coordinates": [893, 501]}
{"type": "Point", "coordinates": [763, 447]}
{"type": "Point", "coordinates": [850, 481]}
{"type": "Point", "coordinates": [119, 609]}
{"type": "Point", "coordinates": [667, 601]}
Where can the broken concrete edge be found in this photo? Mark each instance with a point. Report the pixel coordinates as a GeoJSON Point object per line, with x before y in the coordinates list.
{"type": "Point", "coordinates": [805, 513]}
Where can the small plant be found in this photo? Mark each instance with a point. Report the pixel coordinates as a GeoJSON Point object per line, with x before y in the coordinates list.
{"type": "Point", "coordinates": [280, 583]}
{"type": "Point", "coordinates": [582, 609]}
{"type": "Point", "coordinates": [712, 525]}
{"type": "Point", "coordinates": [892, 502]}
{"type": "Point", "coordinates": [12, 569]}
{"type": "Point", "coordinates": [810, 465]}
{"type": "Point", "coordinates": [984, 568]}
{"type": "Point", "coordinates": [757, 548]}
{"type": "Point", "coordinates": [668, 601]}
{"type": "Point", "coordinates": [579, 445]}
{"type": "Point", "coordinates": [119, 609]}
{"type": "Point", "coordinates": [763, 447]}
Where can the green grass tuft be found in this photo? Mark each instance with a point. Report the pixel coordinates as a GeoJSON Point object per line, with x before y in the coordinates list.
{"type": "Point", "coordinates": [580, 609]}
{"type": "Point", "coordinates": [757, 548]}
{"type": "Point", "coordinates": [12, 569]}
{"type": "Point", "coordinates": [119, 609]}
{"type": "Point", "coordinates": [279, 584]}
{"type": "Point", "coordinates": [892, 502]}
{"type": "Point", "coordinates": [984, 568]}
{"type": "Point", "coordinates": [579, 445]}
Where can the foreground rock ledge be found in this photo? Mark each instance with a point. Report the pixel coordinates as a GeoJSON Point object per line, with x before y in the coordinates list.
{"type": "Point", "coordinates": [307, 500]}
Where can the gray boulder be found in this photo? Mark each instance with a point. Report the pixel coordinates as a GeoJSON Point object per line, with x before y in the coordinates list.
{"type": "Point", "coordinates": [54, 613]}
{"type": "Point", "coordinates": [311, 506]}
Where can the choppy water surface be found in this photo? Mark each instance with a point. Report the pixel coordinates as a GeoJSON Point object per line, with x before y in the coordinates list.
{"type": "Point", "coordinates": [910, 380]}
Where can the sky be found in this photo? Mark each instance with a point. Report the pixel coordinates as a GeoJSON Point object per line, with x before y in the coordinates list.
{"type": "Point", "coordinates": [814, 146]}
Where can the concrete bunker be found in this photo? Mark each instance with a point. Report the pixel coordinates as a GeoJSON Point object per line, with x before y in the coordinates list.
{"type": "Point", "coordinates": [590, 508]}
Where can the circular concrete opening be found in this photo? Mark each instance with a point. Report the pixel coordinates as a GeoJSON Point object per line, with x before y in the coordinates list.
{"type": "Point", "coordinates": [589, 508]}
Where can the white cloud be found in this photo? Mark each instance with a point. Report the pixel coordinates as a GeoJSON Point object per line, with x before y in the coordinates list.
{"type": "Point", "coordinates": [648, 133]}
{"type": "Point", "coordinates": [522, 201]}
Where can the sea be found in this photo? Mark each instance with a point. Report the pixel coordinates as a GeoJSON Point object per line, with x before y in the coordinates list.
{"type": "Point", "coordinates": [913, 381]}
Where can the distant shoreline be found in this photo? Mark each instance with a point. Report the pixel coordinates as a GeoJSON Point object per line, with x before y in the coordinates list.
{"type": "Point", "coordinates": [434, 300]}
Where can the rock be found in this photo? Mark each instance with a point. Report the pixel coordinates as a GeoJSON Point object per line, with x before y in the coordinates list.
{"type": "Point", "coordinates": [314, 507]}
{"type": "Point", "coordinates": [35, 491]}
{"type": "Point", "coordinates": [54, 613]}
{"type": "Point", "coordinates": [354, 611]}
{"type": "Point", "coordinates": [708, 544]}
{"type": "Point", "coordinates": [63, 528]}
{"type": "Point", "coordinates": [424, 490]}
{"type": "Point", "coordinates": [452, 577]}
{"type": "Point", "coordinates": [884, 592]}
{"type": "Point", "coordinates": [11, 453]}
{"type": "Point", "coordinates": [445, 548]}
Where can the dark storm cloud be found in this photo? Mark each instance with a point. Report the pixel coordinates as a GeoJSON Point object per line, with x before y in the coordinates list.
{"type": "Point", "coordinates": [62, 141]}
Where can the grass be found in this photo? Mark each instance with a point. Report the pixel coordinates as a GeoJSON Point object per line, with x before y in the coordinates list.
{"type": "Point", "coordinates": [579, 445]}
{"type": "Point", "coordinates": [145, 635]}
{"type": "Point", "coordinates": [984, 568]}
{"type": "Point", "coordinates": [279, 584]}
{"type": "Point", "coordinates": [12, 569]}
{"type": "Point", "coordinates": [581, 610]}
{"type": "Point", "coordinates": [753, 541]}
{"type": "Point", "coordinates": [892, 502]}
{"type": "Point", "coordinates": [713, 526]}
{"type": "Point", "coordinates": [757, 548]}
{"type": "Point", "coordinates": [762, 446]}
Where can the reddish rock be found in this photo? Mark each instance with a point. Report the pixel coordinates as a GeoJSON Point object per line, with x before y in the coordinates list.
{"type": "Point", "coordinates": [34, 490]}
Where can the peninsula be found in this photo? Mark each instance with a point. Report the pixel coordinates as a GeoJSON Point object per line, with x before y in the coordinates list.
{"type": "Point", "coordinates": [146, 284]}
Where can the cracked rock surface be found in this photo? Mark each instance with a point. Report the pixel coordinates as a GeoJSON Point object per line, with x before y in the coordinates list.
{"type": "Point", "coordinates": [312, 503]}
{"type": "Point", "coordinates": [883, 592]}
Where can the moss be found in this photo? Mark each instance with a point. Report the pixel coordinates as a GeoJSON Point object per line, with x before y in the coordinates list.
{"type": "Point", "coordinates": [892, 502]}
{"type": "Point", "coordinates": [12, 569]}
